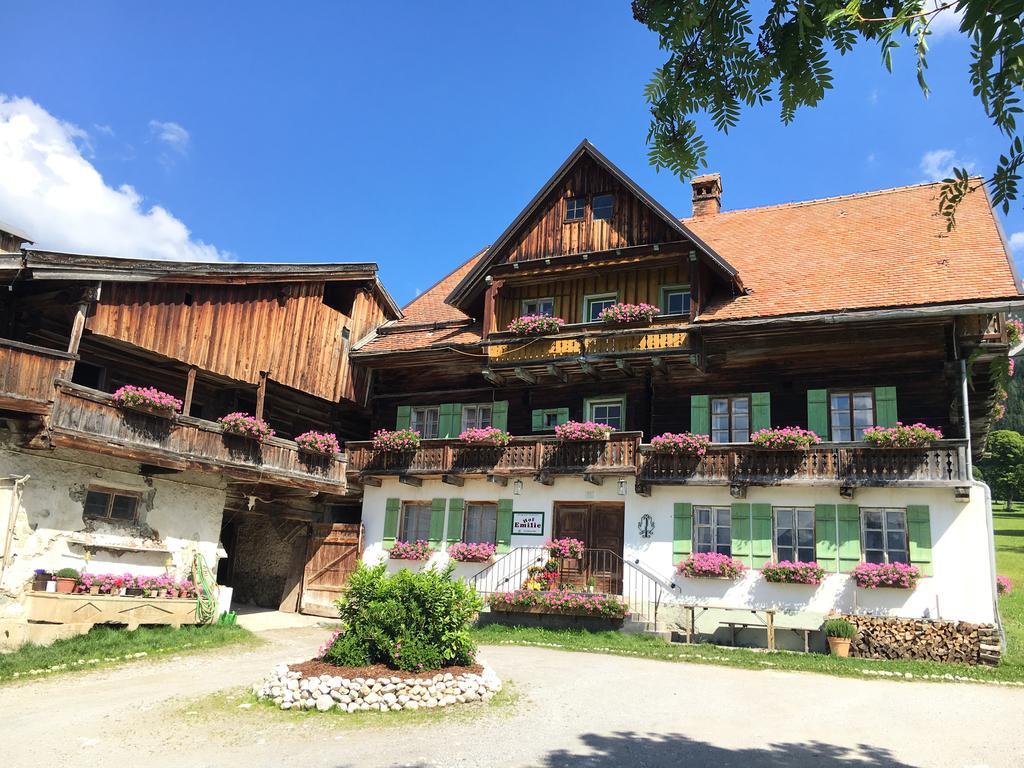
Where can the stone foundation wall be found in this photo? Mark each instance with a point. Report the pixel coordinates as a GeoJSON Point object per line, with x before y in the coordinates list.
{"type": "Point", "coordinates": [887, 637]}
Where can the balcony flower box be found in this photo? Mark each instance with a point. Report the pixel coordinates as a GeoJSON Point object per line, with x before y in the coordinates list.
{"type": "Point", "coordinates": [246, 426]}
{"type": "Point", "coordinates": [562, 602]}
{"type": "Point", "coordinates": [583, 431]}
{"type": "Point", "coordinates": [535, 325]}
{"type": "Point", "coordinates": [405, 550]}
{"type": "Point", "coordinates": [394, 441]}
{"type": "Point", "coordinates": [485, 436]}
{"type": "Point", "coordinates": [886, 576]}
{"type": "Point", "coordinates": [785, 439]}
{"type": "Point", "coordinates": [1014, 332]}
{"type": "Point", "coordinates": [318, 443]}
{"type": "Point", "coordinates": [146, 400]}
{"type": "Point", "coordinates": [785, 572]}
{"type": "Point", "coordinates": [901, 436]}
{"type": "Point", "coordinates": [710, 565]}
{"type": "Point", "coordinates": [681, 444]}
{"type": "Point", "coordinates": [572, 548]}
{"type": "Point", "coordinates": [463, 552]}
{"type": "Point", "coordinates": [623, 314]}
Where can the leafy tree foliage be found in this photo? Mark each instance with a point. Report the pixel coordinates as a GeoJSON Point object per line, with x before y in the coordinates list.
{"type": "Point", "coordinates": [1003, 465]}
{"type": "Point", "coordinates": [719, 62]}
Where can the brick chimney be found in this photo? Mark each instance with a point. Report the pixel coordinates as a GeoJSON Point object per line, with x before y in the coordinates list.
{"type": "Point", "coordinates": [707, 194]}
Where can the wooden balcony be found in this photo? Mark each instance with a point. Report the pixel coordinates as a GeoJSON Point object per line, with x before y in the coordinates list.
{"type": "Point", "coordinates": [539, 457]}
{"type": "Point", "coordinates": [86, 419]}
{"type": "Point", "coordinates": [588, 340]}
{"type": "Point", "coordinates": [27, 375]}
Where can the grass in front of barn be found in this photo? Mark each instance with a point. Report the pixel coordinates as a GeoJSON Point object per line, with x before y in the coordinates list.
{"type": "Point", "coordinates": [1009, 535]}
{"type": "Point", "coordinates": [106, 646]}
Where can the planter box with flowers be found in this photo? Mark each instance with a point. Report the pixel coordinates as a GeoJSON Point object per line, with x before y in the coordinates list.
{"type": "Point", "coordinates": [583, 431]}
{"type": "Point", "coordinates": [411, 550]}
{"type": "Point", "coordinates": [710, 565]}
{"type": "Point", "coordinates": [471, 553]}
{"type": "Point", "coordinates": [485, 436]}
{"type": "Point", "coordinates": [558, 601]}
{"type": "Point", "coordinates": [785, 572]}
{"type": "Point", "coordinates": [572, 548]}
{"type": "Point", "coordinates": [246, 426]}
{"type": "Point", "coordinates": [785, 439]}
{"type": "Point", "coordinates": [886, 576]}
{"type": "Point", "coordinates": [147, 400]}
{"type": "Point", "coordinates": [535, 325]}
{"type": "Point", "coordinates": [901, 436]}
{"type": "Point", "coordinates": [681, 444]}
{"type": "Point", "coordinates": [395, 441]}
{"type": "Point", "coordinates": [318, 443]}
{"type": "Point", "coordinates": [623, 314]}
{"type": "Point", "coordinates": [1014, 331]}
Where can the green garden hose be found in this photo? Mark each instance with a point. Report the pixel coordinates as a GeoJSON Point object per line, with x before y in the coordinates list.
{"type": "Point", "coordinates": [206, 590]}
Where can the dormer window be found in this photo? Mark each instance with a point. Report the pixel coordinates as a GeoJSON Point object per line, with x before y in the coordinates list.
{"type": "Point", "coordinates": [575, 208]}
{"type": "Point", "coordinates": [675, 300]}
{"type": "Point", "coordinates": [602, 207]}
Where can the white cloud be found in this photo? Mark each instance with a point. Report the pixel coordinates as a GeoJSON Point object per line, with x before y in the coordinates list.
{"type": "Point", "coordinates": [50, 190]}
{"type": "Point", "coordinates": [944, 22]}
{"type": "Point", "coordinates": [1017, 241]}
{"type": "Point", "coordinates": [938, 164]}
{"type": "Point", "coordinates": [171, 134]}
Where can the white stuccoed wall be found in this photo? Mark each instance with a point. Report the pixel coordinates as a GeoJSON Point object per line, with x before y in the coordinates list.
{"type": "Point", "coordinates": [961, 588]}
{"type": "Point", "coordinates": [178, 515]}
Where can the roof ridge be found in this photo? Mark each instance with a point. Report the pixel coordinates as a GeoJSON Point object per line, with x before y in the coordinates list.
{"type": "Point", "coordinates": [820, 200]}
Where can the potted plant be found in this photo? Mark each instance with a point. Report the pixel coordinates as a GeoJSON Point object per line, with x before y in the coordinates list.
{"type": "Point", "coordinates": [318, 443]}
{"type": "Point", "coordinates": [485, 436]}
{"type": "Point", "coordinates": [131, 585]}
{"type": "Point", "coordinates": [785, 439]}
{"type": "Point", "coordinates": [67, 580]}
{"type": "Point", "coordinates": [411, 550]}
{"type": "Point", "coordinates": [40, 578]}
{"type": "Point", "coordinates": [901, 436]}
{"type": "Point", "coordinates": [535, 325]}
{"type": "Point", "coordinates": [1014, 331]}
{"type": "Point", "coordinates": [886, 575]}
{"type": "Point", "coordinates": [567, 547]}
{"type": "Point", "coordinates": [681, 444]}
{"type": "Point", "coordinates": [591, 585]}
{"type": "Point", "coordinates": [839, 633]}
{"type": "Point", "coordinates": [710, 565]}
{"type": "Point", "coordinates": [89, 583]}
{"type": "Point", "coordinates": [393, 441]}
{"type": "Point", "coordinates": [620, 314]}
{"type": "Point", "coordinates": [581, 431]}
{"type": "Point", "coordinates": [479, 552]}
{"type": "Point", "coordinates": [247, 426]}
{"type": "Point", "coordinates": [147, 400]}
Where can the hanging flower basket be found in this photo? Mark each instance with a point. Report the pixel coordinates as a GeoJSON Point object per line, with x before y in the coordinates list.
{"type": "Point", "coordinates": [405, 550]}
{"type": "Point", "coordinates": [710, 565]}
{"type": "Point", "coordinates": [620, 314]}
{"type": "Point", "coordinates": [785, 439]}
{"type": "Point", "coordinates": [393, 441]}
{"type": "Point", "coordinates": [573, 548]}
{"type": "Point", "coordinates": [318, 443]}
{"type": "Point", "coordinates": [1014, 331]}
{"type": "Point", "coordinates": [785, 572]}
{"type": "Point", "coordinates": [247, 426]}
{"type": "Point", "coordinates": [886, 575]}
{"type": "Point", "coordinates": [471, 553]}
{"type": "Point", "coordinates": [535, 325]}
{"type": "Point", "coordinates": [901, 436]}
{"type": "Point", "coordinates": [485, 436]}
{"type": "Point", "coordinates": [681, 444]}
{"type": "Point", "coordinates": [147, 400]}
{"type": "Point", "coordinates": [578, 431]}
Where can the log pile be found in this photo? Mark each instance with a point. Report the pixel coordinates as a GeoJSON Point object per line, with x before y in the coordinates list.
{"type": "Point", "coordinates": [889, 637]}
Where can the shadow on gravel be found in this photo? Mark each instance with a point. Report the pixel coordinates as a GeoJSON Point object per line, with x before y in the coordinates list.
{"type": "Point", "coordinates": [675, 751]}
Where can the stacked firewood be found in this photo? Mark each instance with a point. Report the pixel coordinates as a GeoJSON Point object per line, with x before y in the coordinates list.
{"type": "Point", "coordinates": [888, 637]}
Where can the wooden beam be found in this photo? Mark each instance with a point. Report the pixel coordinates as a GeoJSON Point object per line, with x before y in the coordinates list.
{"type": "Point", "coordinates": [190, 385]}
{"type": "Point", "coordinates": [415, 482]}
{"type": "Point", "coordinates": [593, 479]}
{"type": "Point", "coordinates": [374, 482]}
{"type": "Point", "coordinates": [261, 394]}
{"type": "Point", "coordinates": [625, 367]}
{"type": "Point", "coordinates": [544, 479]}
{"type": "Point", "coordinates": [738, 491]}
{"type": "Point", "coordinates": [589, 369]}
{"type": "Point", "coordinates": [497, 480]}
{"type": "Point", "coordinates": [555, 372]}
{"type": "Point", "coordinates": [494, 378]}
{"type": "Point", "coordinates": [524, 375]}
{"type": "Point", "coordinates": [846, 491]}
{"type": "Point", "coordinates": [453, 480]}
{"type": "Point", "coordinates": [147, 470]}
{"type": "Point", "coordinates": [642, 489]}
{"type": "Point", "coordinates": [90, 296]}
{"type": "Point", "coordinates": [659, 364]}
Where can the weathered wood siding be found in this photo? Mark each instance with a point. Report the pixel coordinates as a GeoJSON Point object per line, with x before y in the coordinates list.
{"type": "Point", "coordinates": [27, 374]}
{"type": "Point", "coordinates": [547, 233]}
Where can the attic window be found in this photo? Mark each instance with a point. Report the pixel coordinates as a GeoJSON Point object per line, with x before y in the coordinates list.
{"type": "Point", "coordinates": [575, 208]}
{"type": "Point", "coordinates": [602, 207]}
{"type": "Point", "coordinates": [341, 296]}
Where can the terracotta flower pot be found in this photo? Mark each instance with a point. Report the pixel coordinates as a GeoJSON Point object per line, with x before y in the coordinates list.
{"type": "Point", "coordinates": [65, 586]}
{"type": "Point", "coordinates": [840, 646]}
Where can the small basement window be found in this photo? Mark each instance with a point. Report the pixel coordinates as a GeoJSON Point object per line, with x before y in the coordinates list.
{"type": "Point", "coordinates": [104, 503]}
{"type": "Point", "coordinates": [602, 207]}
{"type": "Point", "coordinates": [575, 208]}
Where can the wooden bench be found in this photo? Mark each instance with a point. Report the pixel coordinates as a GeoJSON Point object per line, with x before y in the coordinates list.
{"type": "Point", "coordinates": [767, 623]}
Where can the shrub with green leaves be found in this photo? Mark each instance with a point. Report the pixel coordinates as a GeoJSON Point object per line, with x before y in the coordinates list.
{"type": "Point", "coordinates": [840, 628]}
{"type": "Point", "coordinates": [407, 620]}
{"type": "Point", "coordinates": [67, 573]}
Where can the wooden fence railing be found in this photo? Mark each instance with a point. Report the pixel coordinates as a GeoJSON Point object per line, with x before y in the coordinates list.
{"type": "Point", "coordinates": [28, 373]}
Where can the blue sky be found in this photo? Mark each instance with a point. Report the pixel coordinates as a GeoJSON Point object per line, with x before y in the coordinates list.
{"type": "Point", "coordinates": [411, 137]}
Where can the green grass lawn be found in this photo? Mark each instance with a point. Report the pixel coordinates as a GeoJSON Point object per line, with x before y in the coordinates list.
{"type": "Point", "coordinates": [1009, 530]}
{"type": "Point", "coordinates": [107, 646]}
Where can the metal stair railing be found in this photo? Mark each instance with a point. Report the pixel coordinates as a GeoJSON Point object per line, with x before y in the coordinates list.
{"type": "Point", "coordinates": [508, 572]}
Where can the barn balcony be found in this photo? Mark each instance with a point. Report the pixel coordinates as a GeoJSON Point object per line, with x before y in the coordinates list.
{"type": "Point", "coordinates": [27, 375]}
{"type": "Point", "coordinates": [87, 419]}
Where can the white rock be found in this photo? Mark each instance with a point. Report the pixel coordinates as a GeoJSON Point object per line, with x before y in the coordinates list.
{"type": "Point", "coordinates": [412, 705]}
{"type": "Point", "coordinates": [324, 703]}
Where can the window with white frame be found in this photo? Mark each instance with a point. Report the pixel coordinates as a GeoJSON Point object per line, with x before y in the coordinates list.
{"type": "Point", "coordinates": [610, 411]}
{"type": "Point", "coordinates": [425, 421]}
{"type": "Point", "coordinates": [415, 522]}
{"type": "Point", "coordinates": [593, 306]}
{"type": "Point", "coordinates": [602, 207]}
{"type": "Point", "coordinates": [481, 524]}
{"type": "Point", "coordinates": [544, 306]}
{"type": "Point", "coordinates": [712, 530]}
{"type": "Point", "coordinates": [884, 532]}
{"type": "Point", "coordinates": [105, 503]}
{"type": "Point", "coordinates": [675, 300]}
{"type": "Point", "coordinates": [794, 534]}
{"type": "Point", "coordinates": [575, 208]}
{"type": "Point", "coordinates": [851, 413]}
{"type": "Point", "coordinates": [476, 416]}
{"type": "Point", "coordinates": [730, 419]}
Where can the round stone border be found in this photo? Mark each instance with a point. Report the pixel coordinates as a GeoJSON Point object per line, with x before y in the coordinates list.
{"type": "Point", "coordinates": [290, 690]}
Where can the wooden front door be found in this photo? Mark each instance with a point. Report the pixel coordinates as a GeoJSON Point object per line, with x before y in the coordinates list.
{"type": "Point", "coordinates": [333, 553]}
{"type": "Point", "coordinates": [600, 527]}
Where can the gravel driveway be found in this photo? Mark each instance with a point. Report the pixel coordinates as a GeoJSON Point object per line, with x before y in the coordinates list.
{"type": "Point", "coordinates": [568, 709]}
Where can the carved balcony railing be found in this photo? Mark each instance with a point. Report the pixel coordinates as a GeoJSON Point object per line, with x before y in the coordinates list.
{"type": "Point", "coordinates": [27, 375]}
{"type": "Point", "coordinates": [88, 419]}
{"type": "Point", "coordinates": [586, 340]}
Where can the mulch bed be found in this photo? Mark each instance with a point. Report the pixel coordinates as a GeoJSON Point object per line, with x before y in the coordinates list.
{"type": "Point", "coordinates": [318, 668]}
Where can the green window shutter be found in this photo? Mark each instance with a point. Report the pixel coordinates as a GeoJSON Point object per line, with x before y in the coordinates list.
{"type": "Point", "coordinates": [455, 507]}
{"type": "Point", "coordinates": [885, 406]}
{"type": "Point", "coordinates": [700, 417]}
{"type": "Point", "coordinates": [760, 534]}
{"type": "Point", "coordinates": [849, 536]}
{"type": "Point", "coordinates": [817, 412]}
{"type": "Point", "coordinates": [391, 509]}
{"type": "Point", "coordinates": [499, 415]}
{"type": "Point", "coordinates": [826, 550]}
{"type": "Point", "coordinates": [919, 531]}
{"type": "Point", "coordinates": [404, 417]}
{"type": "Point", "coordinates": [682, 532]}
{"type": "Point", "coordinates": [562, 415]}
{"type": "Point", "coordinates": [760, 411]}
{"type": "Point", "coordinates": [504, 532]}
{"type": "Point", "coordinates": [437, 522]}
{"type": "Point", "coordinates": [741, 531]}
{"type": "Point", "coordinates": [538, 420]}
{"type": "Point", "coordinates": [449, 420]}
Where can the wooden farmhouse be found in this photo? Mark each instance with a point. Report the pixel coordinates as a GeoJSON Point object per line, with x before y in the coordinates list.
{"type": "Point", "coordinates": [834, 315]}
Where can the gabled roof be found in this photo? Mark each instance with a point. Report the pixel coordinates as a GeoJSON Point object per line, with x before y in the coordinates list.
{"type": "Point", "coordinates": [470, 285]}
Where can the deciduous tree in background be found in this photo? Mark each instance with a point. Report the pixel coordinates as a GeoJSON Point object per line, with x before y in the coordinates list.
{"type": "Point", "coordinates": [1003, 465]}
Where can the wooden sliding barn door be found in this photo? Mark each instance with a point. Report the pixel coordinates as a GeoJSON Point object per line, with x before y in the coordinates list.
{"type": "Point", "coordinates": [333, 553]}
